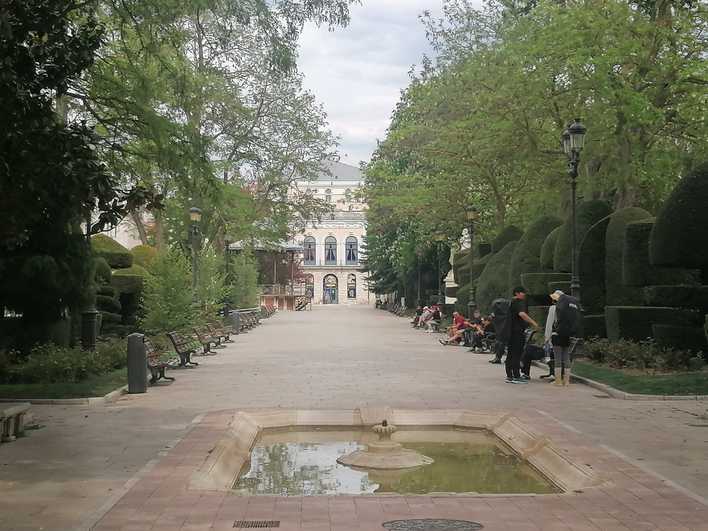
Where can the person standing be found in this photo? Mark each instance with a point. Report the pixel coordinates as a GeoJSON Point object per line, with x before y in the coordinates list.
{"type": "Point", "coordinates": [567, 328]}
{"type": "Point", "coordinates": [519, 322]}
{"type": "Point", "coordinates": [548, 335]}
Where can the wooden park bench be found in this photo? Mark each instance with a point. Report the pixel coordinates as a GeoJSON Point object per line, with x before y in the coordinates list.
{"type": "Point", "coordinates": [206, 340]}
{"type": "Point", "coordinates": [220, 332]}
{"type": "Point", "coordinates": [12, 421]}
{"type": "Point", "coordinates": [184, 347]}
{"type": "Point", "coordinates": [154, 364]}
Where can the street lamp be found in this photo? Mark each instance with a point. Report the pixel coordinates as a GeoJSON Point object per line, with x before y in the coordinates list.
{"type": "Point", "coordinates": [472, 214]}
{"type": "Point", "coordinates": [573, 140]}
{"type": "Point", "coordinates": [439, 238]}
{"type": "Point", "coordinates": [419, 256]}
{"type": "Point", "coordinates": [195, 217]}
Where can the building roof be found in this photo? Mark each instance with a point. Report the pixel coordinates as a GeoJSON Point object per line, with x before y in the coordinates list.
{"type": "Point", "coordinates": [338, 171]}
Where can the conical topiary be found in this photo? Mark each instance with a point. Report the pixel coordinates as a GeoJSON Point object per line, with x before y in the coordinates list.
{"type": "Point", "coordinates": [616, 293]}
{"type": "Point", "coordinates": [494, 280]}
{"type": "Point", "coordinates": [527, 253]}
{"type": "Point", "coordinates": [588, 213]}
{"type": "Point", "coordinates": [508, 234]}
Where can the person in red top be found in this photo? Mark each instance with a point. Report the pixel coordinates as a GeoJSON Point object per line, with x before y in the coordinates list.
{"type": "Point", "coordinates": [457, 330]}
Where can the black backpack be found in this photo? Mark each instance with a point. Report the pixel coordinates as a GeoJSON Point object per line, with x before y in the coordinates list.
{"type": "Point", "coordinates": [568, 316]}
{"type": "Point", "coordinates": [501, 308]}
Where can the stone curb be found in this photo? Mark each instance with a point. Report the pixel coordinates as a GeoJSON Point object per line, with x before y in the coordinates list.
{"type": "Point", "coordinates": [622, 395]}
{"type": "Point", "coordinates": [90, 401]}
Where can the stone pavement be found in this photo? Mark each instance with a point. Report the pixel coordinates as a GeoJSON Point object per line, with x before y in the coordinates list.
{"type": "Point", "coordinates": [69, 473]}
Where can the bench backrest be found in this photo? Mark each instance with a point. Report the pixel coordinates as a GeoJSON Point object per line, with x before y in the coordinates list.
{"type": "Point", "coordinates": [179, 342]}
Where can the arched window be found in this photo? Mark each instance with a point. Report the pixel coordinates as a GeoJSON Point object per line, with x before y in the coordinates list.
{"type": "Point", "coordinates": [351, 286]}
{"type": "Point", "coordinates": [310, 285]}
{"type": "Point", "coordinates": [330, 251]}
{"type": "Point", "coordinates": [330, 290]}
{"type": "Point", "coordinates": [310, 251]}
{"type": "Point", "coordinates": [352, 247]}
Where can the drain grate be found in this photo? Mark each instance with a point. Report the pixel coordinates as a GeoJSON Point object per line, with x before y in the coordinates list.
{"type": "Point", "coordinates": [432, 524]}
{"type": "Point", "coordinates": [256, 524]}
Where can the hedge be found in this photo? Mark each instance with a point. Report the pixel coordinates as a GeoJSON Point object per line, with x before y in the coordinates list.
{"type": "Point", "coordinates": [548, 248]}
{"type": "Point", "coordinates": [636, 269]}
{"type": "Point", "coordinates": [683, 337]}
{"type": "Point", "coordinates": [594, 326]}
{"type": "Point", "coordinates": [539, 314]}
{"type": "Point", "coordinates": [537, 283]}
{"type": "Point", "coordinates": [509, 234]}
{"type": "Point", "coordinates": [494, 280]}
{"type": "Point", "coordinates": [144, 255]}
{"type": "Point", "coordinates": [129, 280]}
{"type": "Point", "coordinates": [635, 322]}
{"type": "Point", "coordinates": [107, 304]}
{"type": "Point", "coordinates": [591, 267]}
{"type": "Point", "coordinates": [110, 318]}
{"type": "Point", "coordinates": [527, 254]}
{"type": "Point", "coordinates": [483, 249]}
{"type": "Point", "coordinates": [588, 213]}
{"type": "Point", "coordinates": [563, 285]}
{"type": "Point", "coordinates": [117, 256]}
{"type": "Point", "coordinates": [102, 271]}
{"type": "Point", "coordinates": [681, 225]}
{"type": "Point", "coordinates": [692, 297]}
{"type": "Point", "coordinates": [107, 290]}
{"type": "Point", "coordinates": [616, 293]}
{"type": "Point", "coordinates": [463, 298]}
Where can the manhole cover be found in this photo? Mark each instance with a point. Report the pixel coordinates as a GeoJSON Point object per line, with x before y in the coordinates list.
{"type": "Point", "coordinates": [432, 524]}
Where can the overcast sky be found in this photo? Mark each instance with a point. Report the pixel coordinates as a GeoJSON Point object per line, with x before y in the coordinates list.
{"type": "Point", "coordinates": [357, 72]}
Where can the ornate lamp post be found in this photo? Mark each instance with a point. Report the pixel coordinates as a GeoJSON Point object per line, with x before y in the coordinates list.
{"type": "Point", "coordinates": [471, 213]}
{"type": "Point", "coordinates": [573, 139]}
{"type": "Point", "coordinates": [195, 217]}
{"type": "Point", "coordinates": [439, 239]}
{"type": "Point", "coordinates": [419, 256]}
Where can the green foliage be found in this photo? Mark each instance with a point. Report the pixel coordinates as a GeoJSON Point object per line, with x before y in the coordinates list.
{"type": "Point", "coordinates": [107, 304]}
{"type": "Point", "coordinates": [211, 283]}
{"type": "Point", "coordinates": [681, 225]}
{"type": "Point", "coordinates": [591, 267]}
{"type": "Point", "coordinates": [167, 296]}
{"type": "Point", "coordinates": [129, 280]}
{"type": "Point", "coordinates": [635, 322]}
{"type": "Point", "coordinates": [644, 355]}
{"type": "Point", "coordinates": [588, 213]}
{"type": "Point", "coordinates": [144, 255]}
{"type": "Point", "coordinates": [507, 235]}
{"type": "Point", "coordinates": [548, 249]}
{"type": "Point", "coordinates": [102, 271]}
{"type": "Point", "coordinates": [527, 254]}
{"type": "Point", "coordinates": [616, 293]}
{"type": "Point", "coordinates": [49, 363]}
{"type": "Point", "coordinates": [117, 256]}
{"type": "Point", "coordinates": [692, 297]}
{"type": "Point", "coordinates": [242, 281]}
{"type": "Point", "coordinates": [494, 280]}
{"type": "Point", "coordinates": [537, 284]}
{"type": "Point", "coordinates": [594, 326]}
{"type": "Point", "coordinates": [683, 337]}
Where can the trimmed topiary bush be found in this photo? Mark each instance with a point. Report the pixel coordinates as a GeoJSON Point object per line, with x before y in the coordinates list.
{"type": "Point", "coordinates": [537, 283]}
{"type": "Point", "coordinates": [107, 290]}
{"type": "Point", "coordinates": [129, 280]}
{"type": "Point", "coordinates": [483, 249]}
{"type": "Point", "coordinates": [692, 297]}
{"type": "Point", "coordinates": [591, 267]}
{"type": "Point", "coordinates": [635, 322]}
{"type": "Point", "coordinates": [616, 293]}
{"type": "Point", "coordinates": [564, 286]}
{"type": "Point", "coordinates": [507, 235]}
{"type": "Point", "coordinates": [548, 249]}
{"type": "Point", "coordinates": [144, 255]}
{"type": "Point", "coordinates": [588, 213]}
{"type": "Point", "coordinates": [108, 304]}
{"type": "Point", "coordinates": [111, 318]}
{"type": "Point", "coordinates": [117, 256]}
{"type": "Point", "coordinates": [539, 313]}
{"type": "Point", "coordinates": [683, 337]}
{"type": "Point", "coordinates": [527, 254]}
{"type": "Point", "coordinates": [594, 326]}
{"type": "Point", "coordinates": [681, 225]}
{"type": "Point", "coordinates": [102, 271]}
{"type": "Point", "coordinates": [494, 280]}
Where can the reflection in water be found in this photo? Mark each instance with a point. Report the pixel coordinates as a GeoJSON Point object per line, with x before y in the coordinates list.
{"type": "Point", "coordinates": [297, 468]}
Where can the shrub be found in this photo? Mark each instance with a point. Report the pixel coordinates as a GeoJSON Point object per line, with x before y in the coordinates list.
{"type": "Point", "coordinates": [537, 284]}
{"type": "Point", "coordinates": [105, 303]}
{"type": "Point", "coordinates": [616, 293]}
{"type": "Point", "coordinates": [645, 355]}
{"type": "Point", "coordinates": [681, 225]}
{"type": "Point", "coordinates": [129, 280]}
{"type": "Point", "coordinates": [594, 326]}
{"type": "Point", "coordinates": [144, 255]}
{"type": "Point", "coordinates": [635, 322]}
{"type": "Point", "coordinates": [494, 280]}
{"type": "Point", "coordinates": [507, 235]}
{"type": "Point", "coordinates": [211, 283]}
{"type": "Point", "coordinates": [107, 291]}
{"type": "Point", "coordinates": [113, 252]}
{"type": "Point", "coordinates": [588, 213]}
{"type": "Point", "coordinates": [243, 281]}
{"type": "Point", "coordinates": [695, 297]}
{"type": "Point", "coordinates": [683, 337]}
{"type": "Point", "coordinates": [102, 271]}
{"type": "Point", "coordinates": [591, 266]}
{"type": "Point", "coordinates": [527, 254]}
{"type": "Point", "coordinates": [548, 248]}
{"type": "Point", "coordinates": [563, 285]}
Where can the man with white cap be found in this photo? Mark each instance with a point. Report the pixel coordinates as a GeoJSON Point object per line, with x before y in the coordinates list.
{"type": "Point", "coordinates": [567, 326]}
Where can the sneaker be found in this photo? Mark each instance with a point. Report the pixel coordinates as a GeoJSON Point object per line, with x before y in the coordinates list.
{"type": "Point", "coordinates": [546, 376]}
{"type": "Point", "coordinates": [520, 381]}
{"type": "Point", "coordinates": [551, 378]}
{"type": "Point", "coordinates": [495, 361]}
{"type": "Point", "coordinates": [509, 380]}
{"type": "Point", "coordinates": [525, 377]}
{"type": "Point", "coordinates": [443, 342]}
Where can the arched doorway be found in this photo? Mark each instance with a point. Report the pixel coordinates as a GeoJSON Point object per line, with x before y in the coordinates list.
{"type": "Point", "coordinates": [351, 286]}
{"type": "Point", "coordinates": [330, 290]}
{"type": "Point", "coordinates": [310, 286]}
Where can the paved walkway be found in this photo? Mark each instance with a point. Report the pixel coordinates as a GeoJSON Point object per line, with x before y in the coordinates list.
{"type": "Point", "coordinates": [68, 473]}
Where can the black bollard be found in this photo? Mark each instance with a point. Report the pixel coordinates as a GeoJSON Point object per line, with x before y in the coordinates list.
{"type": "Point", "coordinates": [137, 364]}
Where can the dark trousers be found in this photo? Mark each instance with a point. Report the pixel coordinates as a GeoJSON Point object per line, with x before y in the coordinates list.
{"type": "Point", "coordinates": [499, 349]}
{"type": "Point", "coordinates": [513, 358]}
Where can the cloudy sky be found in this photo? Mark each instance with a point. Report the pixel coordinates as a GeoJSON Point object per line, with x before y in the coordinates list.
{"type": "Point", "coordinates": [358, 72]}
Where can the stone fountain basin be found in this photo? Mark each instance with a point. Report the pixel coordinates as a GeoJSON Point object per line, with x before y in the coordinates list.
{"type": "Point", "coordinates": [223, 464]}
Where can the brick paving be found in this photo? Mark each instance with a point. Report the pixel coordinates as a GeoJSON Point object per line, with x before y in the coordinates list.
{"type": "Point", "coordinates": [126, 465]}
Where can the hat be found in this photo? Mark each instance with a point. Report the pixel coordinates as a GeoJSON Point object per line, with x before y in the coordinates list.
{"type": "Point", "coordinates": [556, 295]}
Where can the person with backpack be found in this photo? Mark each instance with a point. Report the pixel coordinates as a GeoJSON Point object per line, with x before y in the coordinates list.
{"type": "Point", "coordinates": [567, 328]}
{"type": "Point", "coordinates": [501, 325]}
{"type": "Point", "coordinates": [519, 321]}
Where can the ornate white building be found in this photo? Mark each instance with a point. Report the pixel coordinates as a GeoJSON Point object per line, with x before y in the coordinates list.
{"type": "Point", "coordinates": [332, 248]}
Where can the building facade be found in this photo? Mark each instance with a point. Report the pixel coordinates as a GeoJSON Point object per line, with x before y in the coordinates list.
{"type": "Point", "coordinates": [331, 259]}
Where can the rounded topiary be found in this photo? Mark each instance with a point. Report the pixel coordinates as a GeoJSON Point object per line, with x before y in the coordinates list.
{"type": "Point", "coordinates": [507, 235]}
{"type": "Point", "coordinates": [616, 293]}
{"type": "Point", "coordinates": [678, 236]}
{"type": "Point", "coordinates": [107, 290]}
{"type": "Point", "coordinates": [144, 255]}
{"type": "Point", "coordinates": [105, 303]}
{"type": "Point", "coordinates": [527, 254]}
{"type": "Point", "coordinates": [494, 280]}
{"type": "Point", "coordinates": [677, 296]}
{"type": "Point", "coordinates": [483, 249]}
{"type": "Point", "coordinates": [102, 271]}
{"type": "Point", "coordinates": [677, 336]}
{"type": "Point", "coordinates": [129, 280]}
{"type": "Point", "coordinates": [548, 249]}
{"type": "Point", "coordinates": [635, 322]}
{"type": "Point", "coordinates": [591, 267]}
{"type": "Point", "coordinates": [537, 284]}
{"type": "Point", "coordinates": [588, 213]}
{"type": "Point", "coordinates": [117, 256]}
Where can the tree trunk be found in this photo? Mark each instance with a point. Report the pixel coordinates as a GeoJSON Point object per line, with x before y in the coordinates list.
{"type": "Point", "coordinates": [140, 226]}
{"type": "Point", "coordinates": [159, 230]}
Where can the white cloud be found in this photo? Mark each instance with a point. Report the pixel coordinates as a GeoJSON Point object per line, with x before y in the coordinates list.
{"type": "Point", "coordinates": [358, 72]}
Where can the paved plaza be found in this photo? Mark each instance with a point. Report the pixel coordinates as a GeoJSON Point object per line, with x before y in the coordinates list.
{"type": "Point", "coordinates": [124, 466]}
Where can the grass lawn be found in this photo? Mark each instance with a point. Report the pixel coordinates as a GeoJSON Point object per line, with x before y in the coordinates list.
{"type": "Point", "coordinates": [91, 387]}
{"type": "Point", "coordinates": [685, 383]}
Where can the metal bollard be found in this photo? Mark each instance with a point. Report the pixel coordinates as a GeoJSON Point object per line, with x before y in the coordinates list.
{"type": "Point", "coordinates": [137, 364]}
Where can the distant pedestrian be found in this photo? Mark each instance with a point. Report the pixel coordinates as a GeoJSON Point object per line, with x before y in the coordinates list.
{"type": "Point", "coordinates": [567, 330]}
{"type": "Point", "coordinates": [519, 322]}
